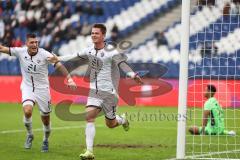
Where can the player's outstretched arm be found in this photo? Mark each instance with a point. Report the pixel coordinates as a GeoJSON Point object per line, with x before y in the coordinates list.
{"type": "Point", "coordinates": [129, 72]}
{"type": "Point", "coordinates": [4, 49]}
{"type": "Point", "coordinates": [58, 66]}
{"type": "Point", "coordinates": [55, 58]}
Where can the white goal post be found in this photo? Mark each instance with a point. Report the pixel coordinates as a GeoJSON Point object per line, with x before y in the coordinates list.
{"type": "Point", "coordinates": [209, 57]}
{"type": "Point", "coordinates": [183, 79]}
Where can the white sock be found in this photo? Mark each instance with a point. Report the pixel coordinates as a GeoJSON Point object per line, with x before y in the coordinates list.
{"type": "Point", "coordinates": [28, 124]}
{"type": "Point", "coordinates": [90, 133]}
{"type": "Point", "coordinates": [120, 120]}
{"type": "Point", "coordinates": [47, 131]}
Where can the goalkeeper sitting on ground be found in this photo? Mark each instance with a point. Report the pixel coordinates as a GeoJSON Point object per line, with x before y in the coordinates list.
{"type": "Point", "coordinates": [213, 117]}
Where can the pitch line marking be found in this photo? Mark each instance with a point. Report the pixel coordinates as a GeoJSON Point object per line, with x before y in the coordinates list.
{"type": "Point", "coordinates": [73, 127]}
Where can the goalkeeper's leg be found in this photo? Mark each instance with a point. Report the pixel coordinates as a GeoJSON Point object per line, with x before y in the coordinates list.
{"type": "Point", "coordinates": [230, 133]}
{"type": "Point", "coordinates": [195, 130]}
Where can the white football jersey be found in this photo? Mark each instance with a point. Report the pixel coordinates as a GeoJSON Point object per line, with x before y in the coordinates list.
{"type": "Point", "coordinates": [34, 68]}
{"type": "Point", "coordinates": [103, 68]}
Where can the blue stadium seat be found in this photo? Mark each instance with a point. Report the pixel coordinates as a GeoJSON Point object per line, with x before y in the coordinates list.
{"type": "Point", "coordinates": [234, 19]}
{"type": "Point", "coordinates": [226, 27]}
{"type": "Point", "coordinates": [193, 46]}
{"type": "Point", "coordinates": [217, 35]}
{"type": "Point", "coordinates": [210, 28]}
{"type": "Point", "coordinates": [238, 54]}
{"type": "Point", "coordinates": [206, 71]}
{"type": "Point", "coordinates": [238, 71]}
{"type": "Point", "coordinates": [226, 19]}
{"type": "Point", "coordinates": [223, 70]}
{"type": "Point", "coordinates": [4, 67]}
{"type": "Point", "coordinates": [201, 36]}
{"type": "Point", "coordinates": [14, 67]}
{"type": "Point", "coordinates": [191, 69]}
{"type": "Point", "coordinates": [198, 71]}
{"type": "Point", "coordinates": [215, 70]}
{"type": "Point", "coordinates": [92, 19]}
{"type": "Point", "coordinates": [215, 62]}
{"type": "Point", "coordinates": [224, 33]}
{"type": "Point", "coordinates": [193, 38]}
{"type": "Point", "coordinates": [210, 36]}
{"type": "Point", "coordinates": [172, 70]}
{"type": "Point", "coordinates": [71, 5]}
{"type": "Point", "coordinates": [223, 61]}
{"type": "Point", "coordinates": [231, 62]}
{"type": "Point", "coordinates": [233, 26]}
{"type": "Point", "coordinates": [217, 27]}
{"type": "Point", "coordinates": [231, 70]}
{"type": "Point", "coordinates": [207, 61]}
{"type": "Point", "coordinates": [51, 69]}
{"type": "Point", "coordinates": [224, 56]}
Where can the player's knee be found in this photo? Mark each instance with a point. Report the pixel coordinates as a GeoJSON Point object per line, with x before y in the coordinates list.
{"type": "Point", "coordinates": [111, 124]}
{"type": "Point", "coordinates": [45, 120]}
{"type": "Point", "coordinates": [28, 112]}
{"type": "Point", "coordinates": [90, 120]}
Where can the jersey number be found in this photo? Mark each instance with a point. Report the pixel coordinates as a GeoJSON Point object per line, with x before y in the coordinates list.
{"type": "Point", "coordinates": [32, 67]}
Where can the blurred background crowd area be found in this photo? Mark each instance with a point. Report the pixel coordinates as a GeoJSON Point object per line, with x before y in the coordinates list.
{"type": "Point", "coordinates": [46, 18]}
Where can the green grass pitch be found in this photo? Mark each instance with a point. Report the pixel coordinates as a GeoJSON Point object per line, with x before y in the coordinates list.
{"type": "Point", "coordinates": [152, 136]}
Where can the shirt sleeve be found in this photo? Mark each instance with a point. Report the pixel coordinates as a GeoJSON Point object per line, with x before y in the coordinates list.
{"type": "Point", "coordinates": [208, 105]}
{"type": "Point", "coordinates": [66, 58]}
{"type": "Point", "coordinates": [15, 51]}
{"type": "Point", "coordinates": [119, 58]}
{"type": "Point", "coordinates": [83, 55]}
{"type": "Point", "coordinates": [46, 55]}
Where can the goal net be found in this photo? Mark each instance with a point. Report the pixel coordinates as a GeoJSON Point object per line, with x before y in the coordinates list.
{"type": "Point", "coordinates": [214, 58]}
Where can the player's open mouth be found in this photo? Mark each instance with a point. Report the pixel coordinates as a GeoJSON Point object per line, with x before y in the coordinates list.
{"type": "Point", "coordinates": [34, 50]}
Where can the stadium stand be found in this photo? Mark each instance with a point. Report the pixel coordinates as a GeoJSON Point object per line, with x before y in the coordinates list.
{"type": "Point", "coordinates": [63, 28]}
{"type": "Point", "coordinates": [207, 25]}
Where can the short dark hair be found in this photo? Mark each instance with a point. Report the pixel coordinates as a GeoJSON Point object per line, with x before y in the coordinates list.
{"type": "Point", "coordinates": [31, 35]}
{"type": "Point", "coordinates": [102, 27]}
{"type": "Point", "coordinates": [211, 88]}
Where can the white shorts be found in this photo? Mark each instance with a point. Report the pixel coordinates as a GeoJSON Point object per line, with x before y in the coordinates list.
{"type": "Point", "coordinates": [40, 96]}
{"type": "Point", "coordinates": [106, 102]}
